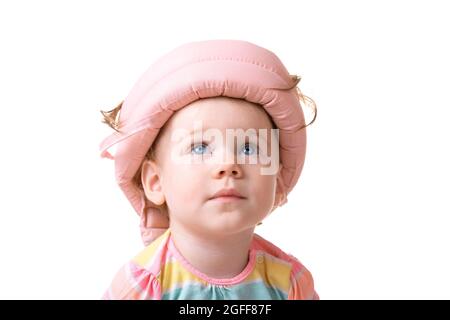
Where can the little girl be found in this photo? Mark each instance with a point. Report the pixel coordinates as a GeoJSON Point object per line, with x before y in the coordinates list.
{"type": "Point", "coordinates": [198, 191]}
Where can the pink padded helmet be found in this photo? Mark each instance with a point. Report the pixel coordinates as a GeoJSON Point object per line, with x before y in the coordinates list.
{"type": "Point", "coordinates": [196, 70]}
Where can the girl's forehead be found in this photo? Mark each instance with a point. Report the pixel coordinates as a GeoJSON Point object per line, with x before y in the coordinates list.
{"type": "Point", "coordinates": [202, 126]}
{"type": "Point", "coordinates": [221, 114]}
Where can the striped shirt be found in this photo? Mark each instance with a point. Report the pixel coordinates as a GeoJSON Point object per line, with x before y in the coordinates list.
{"type": "Point", "coordinates": [161, 272]}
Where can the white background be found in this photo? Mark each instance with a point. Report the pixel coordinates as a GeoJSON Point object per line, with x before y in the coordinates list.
{"type": "Point", "coordinates": [370, 214]}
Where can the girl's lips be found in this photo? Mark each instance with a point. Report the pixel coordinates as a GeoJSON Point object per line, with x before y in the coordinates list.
{"type": "Point", "coordinates": [227, 199]}
{"type": "Point", "coordinates": [230, 192]}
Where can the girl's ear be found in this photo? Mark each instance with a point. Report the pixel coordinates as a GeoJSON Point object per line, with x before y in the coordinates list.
{"type": "Point", "coordinates": [151, 182]}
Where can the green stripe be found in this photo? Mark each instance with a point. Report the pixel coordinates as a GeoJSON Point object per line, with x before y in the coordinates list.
{"type": "Point", "coordinates": [252, 291]}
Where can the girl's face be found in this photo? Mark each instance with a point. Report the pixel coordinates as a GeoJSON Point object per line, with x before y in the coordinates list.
{"type": "Point", "coordinates": [190, 169]}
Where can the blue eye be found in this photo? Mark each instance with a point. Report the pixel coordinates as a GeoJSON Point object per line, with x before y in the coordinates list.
{"type": "Point", "coordinates": [251, 148]}
{"type": "Point", "coordinates": [195, 147]}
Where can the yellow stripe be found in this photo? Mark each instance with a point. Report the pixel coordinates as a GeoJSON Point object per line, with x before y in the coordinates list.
{"type": "Point", "coordinates": [144, 257]}
{"type": "Point", "coordinates": [174, 275]}
{"type": "Point", "coordinates": [273, 271]}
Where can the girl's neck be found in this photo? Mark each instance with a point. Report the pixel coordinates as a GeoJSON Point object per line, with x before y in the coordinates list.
{"type": "Point", "coordinates": [217, 257]}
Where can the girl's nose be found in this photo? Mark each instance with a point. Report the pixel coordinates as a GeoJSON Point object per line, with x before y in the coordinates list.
{"type": "Point", "coordinates": [228, 169]}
